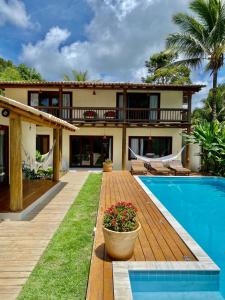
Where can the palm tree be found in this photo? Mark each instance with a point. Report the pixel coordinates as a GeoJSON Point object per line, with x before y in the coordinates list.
{"type": "Point", "coordinates": [77, 76]}
{"type": "Point", "coordinates": [202, 37]}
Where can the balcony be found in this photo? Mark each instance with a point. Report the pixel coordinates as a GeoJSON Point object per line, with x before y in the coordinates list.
{"type": "Point", "coordinates": [82, 115]}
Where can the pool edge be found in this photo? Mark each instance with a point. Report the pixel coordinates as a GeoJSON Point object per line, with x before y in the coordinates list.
{"type": "Point", "coordinates": [122, 287]}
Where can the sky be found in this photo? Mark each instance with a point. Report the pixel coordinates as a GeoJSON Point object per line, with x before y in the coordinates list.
{"type": "Point", "coordinates": [111, 39]}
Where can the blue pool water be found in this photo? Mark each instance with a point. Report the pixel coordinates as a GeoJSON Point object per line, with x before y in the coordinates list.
{"type": "Point", "coordinates": [174, 285]}
{"type": "Point", "coordinates": [198, 203]}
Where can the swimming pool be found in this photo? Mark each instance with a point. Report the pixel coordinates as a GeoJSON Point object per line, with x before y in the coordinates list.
{"type": "Point", "coordinates": [198, 204]}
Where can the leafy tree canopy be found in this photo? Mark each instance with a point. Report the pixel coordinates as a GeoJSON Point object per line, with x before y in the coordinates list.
{"type": "Point", "coordinates": [205, 113]}
{"type": "Point", "coordinates": [9, 71]}
{"type": "Point", "coordinates": [162, 71]}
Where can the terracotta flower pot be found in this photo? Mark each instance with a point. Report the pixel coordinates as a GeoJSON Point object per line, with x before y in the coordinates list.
{"type": "Point", "coordinates": [120, 245]}
{"type": "Point", "coordinates": [107, 167]}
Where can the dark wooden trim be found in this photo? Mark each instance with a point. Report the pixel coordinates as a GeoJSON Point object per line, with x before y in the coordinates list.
{"type": "Point", "coordinates": [91, 137]}
{"type": "Point", "coordinates": [6, 152]}
{"type": "Point", "coordinates": [47, 136]}
{"type": "Point", "coordinates": [152, 138]}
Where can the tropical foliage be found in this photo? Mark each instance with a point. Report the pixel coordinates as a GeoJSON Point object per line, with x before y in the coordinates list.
{"type": "Point", "coordinates": [9, 71]}
{"type": "Point", "coordinates": [161, 70]}
{"type": "Point", "coordinates": [121, 217]}
{"type": "Point", "coordinates": [205, 113]}
{"type": "Point", "coordinates": [210, 136]}
{"type": "Point", "coordinates": [201, 39]}
{"type": "Point", "coordinates": [77, 76]}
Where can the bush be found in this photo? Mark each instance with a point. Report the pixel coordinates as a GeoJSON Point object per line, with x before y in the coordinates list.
{"type": "Point", "coordinates": [210, 136]}
{"type": "Point", "coordinates": [121, 217]}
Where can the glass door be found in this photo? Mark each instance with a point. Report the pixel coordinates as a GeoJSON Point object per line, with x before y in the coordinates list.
{"type": "Point", "coordinates": [90, 151]}
{"type": "Point", "coordinates": [4, 154]}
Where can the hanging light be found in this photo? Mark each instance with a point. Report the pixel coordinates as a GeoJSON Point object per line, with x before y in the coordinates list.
{"type": "Point", "coordinates": [104, 137]}
{"type": "Point", "coordinates": [94, 92]}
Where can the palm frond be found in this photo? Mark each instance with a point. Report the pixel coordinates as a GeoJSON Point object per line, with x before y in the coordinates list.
{"type": "Point", "coordinates": [189, 62]}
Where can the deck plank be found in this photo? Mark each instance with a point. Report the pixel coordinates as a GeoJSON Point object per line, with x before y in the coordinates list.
{"type": "Point", "coordinates": [157, 240]}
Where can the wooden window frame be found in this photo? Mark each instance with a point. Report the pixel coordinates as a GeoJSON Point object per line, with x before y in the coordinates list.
{"type": "Point", "coordinates": [48, 138]}
{"type": "Point", "coordinates": [146, 137]}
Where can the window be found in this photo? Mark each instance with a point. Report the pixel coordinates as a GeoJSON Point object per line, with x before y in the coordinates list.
{"type": "Point", "coordinates": [42, 143]}
{"type": "Point", "coordinates": [151, 147]}
{"type": "Point", "coordinates": [147, 105]}
{"type": "Point", "coordinates": [49, 101]}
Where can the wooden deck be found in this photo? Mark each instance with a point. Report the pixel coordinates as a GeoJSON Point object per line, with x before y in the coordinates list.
{"type": "Point", "coordinates": [157, 241]}
{"type": "Point", "coordinates": [32, 190]}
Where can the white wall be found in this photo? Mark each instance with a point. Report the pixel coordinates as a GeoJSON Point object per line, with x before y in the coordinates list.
{"type": "Point", "coordinates": [195, 159]}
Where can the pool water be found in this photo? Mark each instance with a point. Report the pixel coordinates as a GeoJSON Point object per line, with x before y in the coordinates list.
{"type": "Point", "coordinates": [198, 204]}
{"type": "Point", "coordinates": [174, 285]}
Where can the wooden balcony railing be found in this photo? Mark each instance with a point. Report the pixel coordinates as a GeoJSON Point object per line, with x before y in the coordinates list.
{"type": "Point", "coordinates": [118, 115]}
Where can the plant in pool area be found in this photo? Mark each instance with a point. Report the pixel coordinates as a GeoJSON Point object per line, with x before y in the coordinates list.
{"type": "Point", "coordinates": [210, 136]}
{"type": "Point", "coordinates": [121, 217]}
{"type": "Point", "coordinates": [108, 161]}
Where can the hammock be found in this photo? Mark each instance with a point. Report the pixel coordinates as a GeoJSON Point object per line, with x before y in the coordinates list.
{"type": "Point", "coordinates": [46, 160]}
{"type": "Point", "coordinates": [163, 159]}
{"type": "Point", "coordinates": [44, 164]}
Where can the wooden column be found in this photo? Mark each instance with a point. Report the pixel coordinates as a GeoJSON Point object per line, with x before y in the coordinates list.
{"type": "Point", "coordinates": [60, 102]}
{"type": "Point", "coordinates": [124, 133]}
{"type": "Point", "coordinates": [60, 147]}
{"type": "Point", "coordinates": [56, 155]}
{"type": "Point", "coordinates": [15, 155]}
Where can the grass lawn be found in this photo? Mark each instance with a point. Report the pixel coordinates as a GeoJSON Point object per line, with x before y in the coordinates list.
{"type": "Point", "coordinates": [62, 272]}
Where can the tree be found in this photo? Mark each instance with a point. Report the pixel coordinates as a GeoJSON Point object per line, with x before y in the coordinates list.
{"type": "Point", "coordinates": [205, 113]}
{"type": "Point", "coordinates": [77, 76]}
{"type": "Point", "coordinates": [161, 72]}
{"type": "Point", "coordinates": [11, 72]}
{"type": "Point", "coordinates": [29, 74]}
{"type": "Point", "coordinates": [201, 38]}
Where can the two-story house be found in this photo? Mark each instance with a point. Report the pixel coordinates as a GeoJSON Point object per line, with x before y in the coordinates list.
{"type": "Point", "coordinates": [111, 117]}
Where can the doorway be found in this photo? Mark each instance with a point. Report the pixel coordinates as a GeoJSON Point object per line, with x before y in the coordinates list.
{"type": "Point", "coordinates": [4, 155]}
{"type": "Point", "coordinates": [90, 151]}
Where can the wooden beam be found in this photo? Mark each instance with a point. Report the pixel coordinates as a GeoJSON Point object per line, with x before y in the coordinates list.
{"type": "Point", "coordinates": [60, 147]}
{"type": "Point", "coordinates": [56, 155]}
{"type": "Point", "coordinates": [124, 133]}
{"type": "Point", "coordinates": [15, 154]}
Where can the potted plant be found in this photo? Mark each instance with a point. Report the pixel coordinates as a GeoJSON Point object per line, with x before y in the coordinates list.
{"type": "Point", "coordinates": [111, 114]}
{"type": "Point", "coordinates": [90, 114]}
{"type": "Point", "coordinates": [107, 165]}
{"type": "Point", "coordinates": [120, 229]}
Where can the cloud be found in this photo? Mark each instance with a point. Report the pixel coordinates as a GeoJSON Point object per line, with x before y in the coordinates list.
{"type": "Point", "coordinates": [14, 12]}
{"type": "Point", "coordinates": [119, 38]}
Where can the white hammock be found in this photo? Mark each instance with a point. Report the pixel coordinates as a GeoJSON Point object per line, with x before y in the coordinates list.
{"type": "Point", "coordinates": [163, 159]}
{"type": "Point", "coordinates": [47, 160]}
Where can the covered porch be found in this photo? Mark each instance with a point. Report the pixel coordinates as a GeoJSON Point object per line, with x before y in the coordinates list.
{"type": "Point", "coordinates": [19, 193]}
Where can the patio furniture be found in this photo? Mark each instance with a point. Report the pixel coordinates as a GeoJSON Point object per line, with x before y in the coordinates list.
{"type": "Point", "coordinates": [158, 168]}
{"type": "Point", "coordinates": [177, 167]}
{"type": "Point", "coordinates": [138, 168]}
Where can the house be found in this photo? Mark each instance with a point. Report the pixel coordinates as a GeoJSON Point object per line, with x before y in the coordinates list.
{"type": "Point", "coordinates": [18, 124]}
{"type": "Point", "coordinates": [148, 118]}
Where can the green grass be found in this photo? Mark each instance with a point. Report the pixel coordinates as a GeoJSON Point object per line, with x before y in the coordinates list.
{"type": "Point", "coordinates": [62, 272]}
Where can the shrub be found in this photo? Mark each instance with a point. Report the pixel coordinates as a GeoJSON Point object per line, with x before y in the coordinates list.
{"type": "Point", "coordinates": [121, 217]}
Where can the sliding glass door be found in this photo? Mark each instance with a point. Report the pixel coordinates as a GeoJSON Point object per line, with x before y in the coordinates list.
{"type": "Point", "coordinates": [90, 151]}
{"type": "Point", "coordinates": [4, 154]}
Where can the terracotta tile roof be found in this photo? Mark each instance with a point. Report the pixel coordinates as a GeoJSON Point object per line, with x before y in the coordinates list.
{"type": "Point", "coordinates": [100, 85]}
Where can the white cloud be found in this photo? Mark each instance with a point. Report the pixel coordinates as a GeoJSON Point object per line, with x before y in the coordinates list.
{"type": "Point", "coordinates": [14, 12]}
{"type": "Point", "coordinates": [119, 38]}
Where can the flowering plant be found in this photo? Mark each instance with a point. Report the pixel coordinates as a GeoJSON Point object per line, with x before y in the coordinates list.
{"type": "Point", "coordinates": [90, 114]}
{"type": "Point", "coordinates": [110, 114]}
{"type": "Point", "coordinates": [121, 217]}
